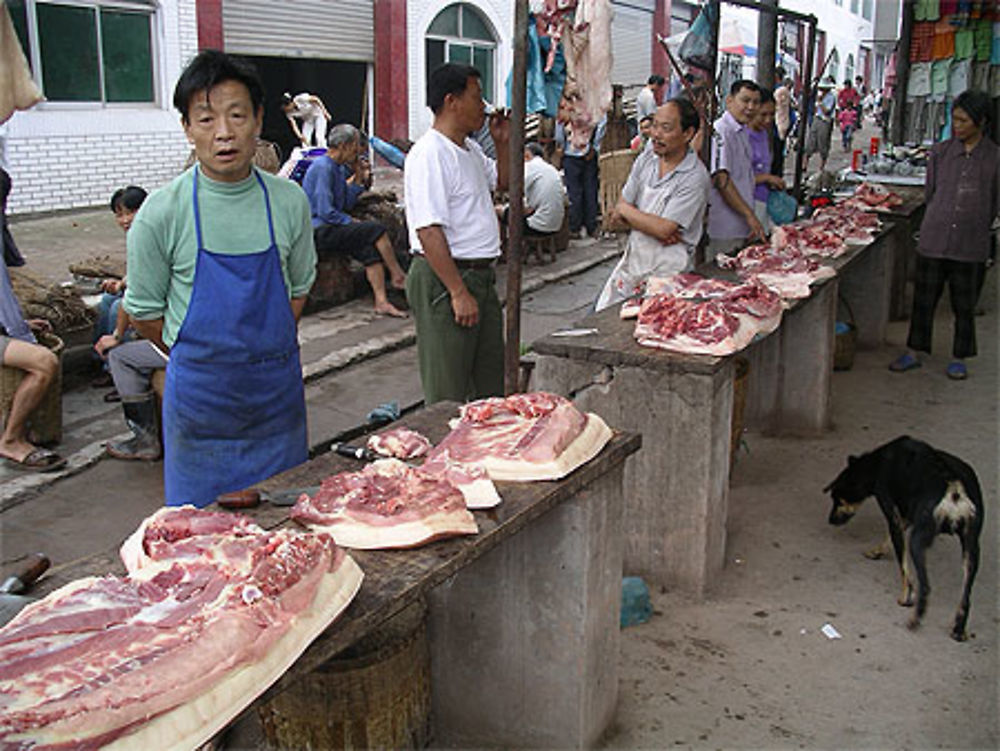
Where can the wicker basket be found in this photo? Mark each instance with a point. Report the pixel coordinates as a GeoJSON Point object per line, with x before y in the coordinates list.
{"type": "Point", "coordinates": [741, 367]}
{"type": "Point", "coordinates": [614, 167]}
{"type": "Point", "coordinates": [374, 695]}
{"type": "Point", "coordinates": [45, 423]}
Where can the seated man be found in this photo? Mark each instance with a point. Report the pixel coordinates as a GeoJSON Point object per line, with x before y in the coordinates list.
{"type": "Point", "coordinates": [18, 349]}
{"type": "Point", "coordinates": [132, 366]}
{"type": "Point", "coordinates": [110, 317]}
{"type": "Point", "coordinates": [332, 193]}
{"type": "Point", "coordinates": [544, 195]}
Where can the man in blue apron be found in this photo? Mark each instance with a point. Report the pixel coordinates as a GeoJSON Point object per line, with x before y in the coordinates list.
{"type": "Point", "coordinates": [220, 262]}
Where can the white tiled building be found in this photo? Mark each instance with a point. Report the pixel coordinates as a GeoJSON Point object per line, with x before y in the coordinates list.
{"type": "Point", "coordinates": [107, 68]}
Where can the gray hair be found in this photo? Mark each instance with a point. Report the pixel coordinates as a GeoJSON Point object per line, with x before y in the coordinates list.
{"type": "Point", "coordinates": [342, 134]}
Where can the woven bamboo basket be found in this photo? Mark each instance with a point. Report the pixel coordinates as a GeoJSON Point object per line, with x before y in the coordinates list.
{"type": "Point", "coordinates": [374, 695]}
{"type": "Point", "coordinates": [742, 372]}
{"type": "Point", "coordinates": [614, 167]}
{"type": "Point", "coordinates": [45, 423]}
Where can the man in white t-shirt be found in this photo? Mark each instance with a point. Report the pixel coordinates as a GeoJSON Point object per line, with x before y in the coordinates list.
{"type": "Point", "coordinates": [648, 98]}
{"type": "Point", "coordinates": [314, 115]}
{"type": "Point", "coordinates": [455, 241]}
{"type": "Point", "coordinates": [544, 194]}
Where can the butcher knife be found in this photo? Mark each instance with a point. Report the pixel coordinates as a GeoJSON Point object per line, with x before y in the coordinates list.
{"type": "Point", "coordinates": [362, 453]}
{"type": "Point", "coordinates": [251, 497]}
{"type": "Point", "coordinates": [11, 601]}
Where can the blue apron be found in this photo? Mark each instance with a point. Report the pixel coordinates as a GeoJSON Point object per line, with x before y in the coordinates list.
{"type": "Point", "coordinates": [234, 410]}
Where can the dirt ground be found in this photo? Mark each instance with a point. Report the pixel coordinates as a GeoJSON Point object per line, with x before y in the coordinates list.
{"type": "Point", "coordinates": [750, 667]}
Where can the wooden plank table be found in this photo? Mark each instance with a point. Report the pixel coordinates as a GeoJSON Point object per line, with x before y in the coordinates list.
{"type": "Point", "coordinates": [677, 489]}
{"type": "Point", "coordinates": [523, 616]}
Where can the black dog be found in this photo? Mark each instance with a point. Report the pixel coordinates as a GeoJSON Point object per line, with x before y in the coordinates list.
{"type": "Point", "coordinates": [922, 492]}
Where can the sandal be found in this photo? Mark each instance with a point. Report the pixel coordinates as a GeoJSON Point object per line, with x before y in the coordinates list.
{"type": "Point", "coordinates": [904, 362]}
{"type": "Point", "coordinates": [956, 371]}
{"type": "Point", "coordinates": [39, 460]}
{"type": "Point", "coordinates": [112, 396]}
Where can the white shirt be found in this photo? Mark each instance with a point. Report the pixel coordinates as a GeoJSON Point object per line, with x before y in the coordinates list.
{"type": "Point", "coordinates": [449, 186]}
{"type": "Point", "coordinates": [543, 192]}
{"type": "Point", "coordinates": [305, 107]}
{"type": "Point", "coordinates": [645, 103]}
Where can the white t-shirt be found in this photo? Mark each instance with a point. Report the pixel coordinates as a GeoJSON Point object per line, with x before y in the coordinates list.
{"type": "Point", "coordinates": [543, 191]}
{"type": "Point", "coordinates": [305, 107]}
{"type": "Point", "coordinates": [450, 186]}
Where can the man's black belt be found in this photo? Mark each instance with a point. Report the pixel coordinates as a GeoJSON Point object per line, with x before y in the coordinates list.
{"type": "Point", "coordinates": [474, 263]}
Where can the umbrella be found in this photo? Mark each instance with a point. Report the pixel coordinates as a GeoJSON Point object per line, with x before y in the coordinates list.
{"type": "Point", "coordinates": [733, 39]}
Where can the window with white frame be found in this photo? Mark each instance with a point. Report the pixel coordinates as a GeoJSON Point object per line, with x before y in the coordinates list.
{"type": "Point", "coordinates": [849, 69]}
{"type": "Point", "coordinates": [834, 67]}
{"type": "Point", "coordinates": [866, 9]}
{"type": "Point", "coordinates": [83, 51]}
{"type": "Point", "coordinates": [854, 6]}
{"type": "Point", "coordinates": [461, 34]}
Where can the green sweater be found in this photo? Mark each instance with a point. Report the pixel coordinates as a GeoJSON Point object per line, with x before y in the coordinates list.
{"type": "Point", "coordinates": [163, 247]}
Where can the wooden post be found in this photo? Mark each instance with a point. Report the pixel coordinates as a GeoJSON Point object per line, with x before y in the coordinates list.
{"type": "Point", "coordinates": [515, 192]}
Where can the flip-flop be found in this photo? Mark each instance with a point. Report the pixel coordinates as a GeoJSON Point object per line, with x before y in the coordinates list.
{"type": "Point", "coordinates": [956, 371]}
{"type": "Point", "coordinates": [904, 362]}
{"type": "Point", "coordinates": [38, 460]}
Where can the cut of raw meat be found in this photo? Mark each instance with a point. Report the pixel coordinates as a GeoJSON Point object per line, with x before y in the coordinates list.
{"type": "Point", "coordinates": [524, 437]}
{"type": "Point", "coordinates": [386, 505]}
{"type": "Point", "coordinates": [472, 481]}
{"type": "Point", "coordinates": [786, 271]}
{"type": "Point", "coordinates": [166, 657]}
{"type": "Point", "coordinates": [399, 443]}
{"type": "Point", "coordinates": [871, 196]}
{"type": "Point", "coordinates": [695, 315]}
{"type": "Point", "coordinates": [808, 239]}
{"type": "Point", "coordinates": [857, 226]}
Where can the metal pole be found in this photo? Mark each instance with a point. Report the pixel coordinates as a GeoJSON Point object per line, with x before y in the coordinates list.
{"type": "Point", "coordinates": [897, 118]}
{"type": "Point", "coordinates": [706, 144]}
{"type": "Point", "coordinates": [767, 33]}
{"type": "Point", "coordinates": [804, 111]}
{"type": "Point", "coordinates": [515, 192]}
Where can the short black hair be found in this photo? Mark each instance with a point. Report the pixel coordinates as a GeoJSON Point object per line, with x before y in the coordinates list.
{"type": "Point", "coordinates": [210, 68]}
{"type": "Point", "coordinates": [743, 83]}
{"type": "Point", "coordinates": [978, 106]}
{"type": "Point", "coordinates": [129, 198]}
{"type": "Point", "coordinates": [766, 95]}
{"type": "Point", "coordinates": [689, 115]}
{"type": "Point", "coordinates": [535, 148]}
{"type": "Point", "coordinates": [656, 80]}
{"type": "Point", "coordinates": [847, 82]}
{"type": "Point", "coordinates": [448, 78]}
{"type": "Point", "coordinates": [779, 73]}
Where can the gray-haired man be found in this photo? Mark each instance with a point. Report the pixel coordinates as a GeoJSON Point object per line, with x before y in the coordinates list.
{"type": "Point", "coordinates": [332, 192]}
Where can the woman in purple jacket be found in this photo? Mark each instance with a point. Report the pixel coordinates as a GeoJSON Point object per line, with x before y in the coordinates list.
{"type": "Point", "coordinates": [963, 200]}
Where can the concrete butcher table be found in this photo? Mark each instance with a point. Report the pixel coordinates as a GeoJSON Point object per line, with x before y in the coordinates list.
{"type": "Point", "coordinates": [676, 489]}
{"type": "Point", "coordinates": [523, 615]}
{"type": "Point", "coordinates": [907, 219]}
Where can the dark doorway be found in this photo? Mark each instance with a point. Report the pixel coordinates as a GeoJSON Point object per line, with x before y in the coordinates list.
{"type": "Point", "coordinates": [340, 84]}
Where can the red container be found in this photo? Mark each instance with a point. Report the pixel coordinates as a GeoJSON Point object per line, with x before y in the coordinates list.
{"type": "Point", "coordinates": [856, 160]}
{"type": "Point", "coordinates": [873, 150]}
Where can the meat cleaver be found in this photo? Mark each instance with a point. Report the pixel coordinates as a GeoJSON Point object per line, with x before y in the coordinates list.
{"type": "Point", "coordinates": [11, 601]}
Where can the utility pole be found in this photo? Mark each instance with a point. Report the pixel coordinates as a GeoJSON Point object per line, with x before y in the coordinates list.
{"type": "Point", "coordinates": [767, 35]}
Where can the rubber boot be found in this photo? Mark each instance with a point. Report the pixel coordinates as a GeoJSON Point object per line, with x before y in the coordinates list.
{"type": "Point", "coordinates": [143, 420]}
